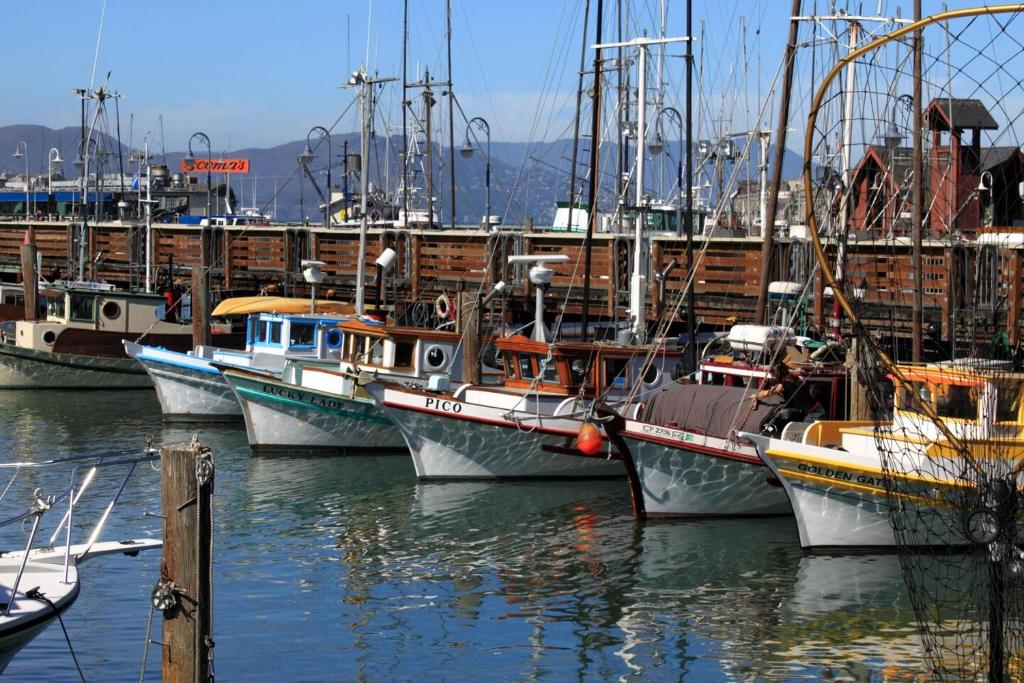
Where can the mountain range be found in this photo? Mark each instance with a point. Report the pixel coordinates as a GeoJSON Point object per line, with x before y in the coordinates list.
{"type": "Point", "coordinates": [527, 179]}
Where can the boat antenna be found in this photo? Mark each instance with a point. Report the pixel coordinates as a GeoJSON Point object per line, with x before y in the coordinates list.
{"type": "Point", "coordinates": [96, 54]}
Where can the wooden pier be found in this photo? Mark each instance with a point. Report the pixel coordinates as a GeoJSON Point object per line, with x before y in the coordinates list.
{"type": "Point", "coordinates": [251, 259]}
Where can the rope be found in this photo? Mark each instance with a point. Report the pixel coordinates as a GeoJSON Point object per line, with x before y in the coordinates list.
{"type": "Point", "coordinates": [36, 595]}
{"type": "Point", "coordinates": [204, 470]}
{"type": "Point", "coordinates": [145, 647]}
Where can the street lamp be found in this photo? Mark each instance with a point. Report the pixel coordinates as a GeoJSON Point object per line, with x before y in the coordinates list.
{"type": "Point", "coordinates": [467, 152]}
{"type": "Point", "coordinates": [308, 156]}
{"type": "Point", "coordinates": [52, 157]}
{"type": "Point", "coordinates": [17, 155]}
{"type": "Point", "coordinates": [209, 162]}
{"type": "Point", "coordinates": [656, 147]}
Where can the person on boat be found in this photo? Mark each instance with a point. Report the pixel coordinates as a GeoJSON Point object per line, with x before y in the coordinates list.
{"type": "Point", "coordinates": [780, 382]}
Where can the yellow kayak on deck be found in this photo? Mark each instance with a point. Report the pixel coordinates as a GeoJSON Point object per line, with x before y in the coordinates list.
{"type": "Point", "coordinates": [243, 305]}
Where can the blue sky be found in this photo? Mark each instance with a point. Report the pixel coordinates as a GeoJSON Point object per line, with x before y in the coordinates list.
{"type": "Point", "coordinates": [262, 72]}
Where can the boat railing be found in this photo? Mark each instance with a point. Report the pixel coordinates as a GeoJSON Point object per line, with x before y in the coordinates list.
{"type": "Point", "coordinates": [91, 464]}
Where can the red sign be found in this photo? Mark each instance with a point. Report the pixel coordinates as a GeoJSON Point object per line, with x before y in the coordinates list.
{"type": "Point", "coordinates": [215, 165]}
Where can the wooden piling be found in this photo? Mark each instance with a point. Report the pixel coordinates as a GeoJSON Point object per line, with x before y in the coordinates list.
{"type": "Point", "coordinates": [860, 408]}
{"type": "Point", "coordinates": [469, 314]}
{"type": "Point", "coordinates": [200, 295]}
{"type": "Point", "coordinates": [29, 277]}
{"type": "Point", "coordinates": [187, 497]}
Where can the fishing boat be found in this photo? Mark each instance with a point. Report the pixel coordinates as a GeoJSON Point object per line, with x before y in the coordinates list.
{"type": "Point", "coordinates": [190, 387]}
{"type": "Point", "coordinates": [683, 445]}
{"type": "Point", "coordinates": [312, 406]}
{"type": "Point", "coordinates": [843, 492]}
{"type": "Point", "coordinates": [527, 426]}
{"type": "Point", "coordinates": [78, 345]}
{"type": "Point", "coordinates": [41, 581]}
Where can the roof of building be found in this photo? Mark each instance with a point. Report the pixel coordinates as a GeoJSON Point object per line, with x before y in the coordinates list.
{"type": "Point", "coordinates": [959, 113]}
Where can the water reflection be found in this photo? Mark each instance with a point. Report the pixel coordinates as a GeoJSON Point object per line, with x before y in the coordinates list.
{"type": "Point", "coordinates": [348, 568]}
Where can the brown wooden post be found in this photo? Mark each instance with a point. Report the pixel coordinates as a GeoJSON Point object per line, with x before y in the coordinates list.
{"type": "Point", "coordinates": [29, 276]}
{"type": "Point", "coordinates": [186, 488]}
{"type": "Point", "coordinates": [469, 314]}
{"type": "Point", "coordinates": [200, 325]}
{"type": "Point", "coordinates": [656, 287]}
{"type": "Point", "coordinates": [860, 410]}
{"type": "Point", "coordinates": [229, 240]}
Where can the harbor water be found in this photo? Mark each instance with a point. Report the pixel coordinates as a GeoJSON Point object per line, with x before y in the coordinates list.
{"type": "Point", "coordinates": [347, 568]}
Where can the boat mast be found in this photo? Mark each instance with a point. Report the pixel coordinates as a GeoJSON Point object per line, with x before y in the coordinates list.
{"type": "Point", "coordinates": [690, 296]}
{"type": "Point", "coordinates": [576, 124]}
{"type": "Point", "coordinates": [360, 80]}
{"type": "Point", "coordinates": [768, 223]}
{"type": "Point", "coordinates": [917, 200]}
{"type": "Point", "coordinates": [405, 121]}
{"type": "Point", "coordinates": [844, 202]}
{"type": "Point", "coordinates": [595, 131]}
{"type": "Point", "coordinates": [637, 283]}
{"type": "Point", "coordinates": [451, 113]}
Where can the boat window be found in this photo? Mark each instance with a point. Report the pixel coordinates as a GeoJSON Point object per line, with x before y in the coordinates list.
{"type": "Point", "coordinates": [353, 344]}
{"type": "Point", "coordinates": [10, 300]}
{"type": "Point", "coordinates": [907, 391]}
{"type": "Point", "coordinates": [55, 309]}
{"type": "Point", "coordinates": [376, 353]}
{"type": "Point", "coordinates": [615, 373]}
{"type": "Point", "coordinates": [302, 333]}
{"type": "Point", "coordinates": [275, 333]}
{"type": "Point", "coordinates": [958, 402]}
{"type": "Point", "coordinates": [526, 366]}
{"type": "Point", "coordinates": [578, 371]}
{"type": "Point", "coordinates": [1007, 401]}
{"type": "Point", "coordinates": [111, 310]}
{"type": "Point", "coordinates": [83, 307]}
{"type": "Point", "coordinates": [404, 354]}
{"type": "Point", "coordinates": [549, 370]}
{"type": "Point", "coordinates": [509, 362]}
{"type": "Point", "coordinates": [651, 375]}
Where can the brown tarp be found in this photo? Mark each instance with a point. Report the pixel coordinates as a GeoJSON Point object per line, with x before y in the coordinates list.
{"type": "Point", "coordinates": [709, 409]}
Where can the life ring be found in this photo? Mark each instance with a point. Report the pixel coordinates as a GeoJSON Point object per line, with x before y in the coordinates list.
{"type": "Point", "coordinates": [333, 338]}
{"type": "Point", "coordinates": [443, 307]}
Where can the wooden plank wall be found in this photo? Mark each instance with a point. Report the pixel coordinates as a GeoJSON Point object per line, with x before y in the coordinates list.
{"type": "Point", "coordinates": [430, 263]}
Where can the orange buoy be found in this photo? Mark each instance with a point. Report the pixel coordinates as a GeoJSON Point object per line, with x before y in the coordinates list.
{"type": "Point", "coordinates": [588, 440]}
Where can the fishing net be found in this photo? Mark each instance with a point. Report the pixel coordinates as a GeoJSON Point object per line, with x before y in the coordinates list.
{"type": "Point", "coordinates": [944, 431]}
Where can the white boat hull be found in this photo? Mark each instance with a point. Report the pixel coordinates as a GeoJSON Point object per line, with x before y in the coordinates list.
{"type": "Point", "coordinates": [284, 417]}
{"type": "Point", "coordinates": [844, 506]}
{"type": "Point", "coordinates": [187, 392]}
{"type": "Point", "coordinates": [29, 369]}
{"type": "Point", "coordinates": [29, 616]}
{"type": "Point", "coordinates": [452, 439]}
{"type": "Point", "coordinates": [685, 475]}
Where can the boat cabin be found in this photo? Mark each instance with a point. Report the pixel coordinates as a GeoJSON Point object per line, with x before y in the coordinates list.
{"type": "Point", "coordinates": [12, 301]}
{"type": "Point", "coordinates": [570, 369]}
{"type": "Point", "coordinates": [405, 353]}
{"type": "Point", "coordinates": [92, 319]}
{"type": "Point", "coordinates": [960, 395]}
{"type": "Point", "coordinates": [270, 338]}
